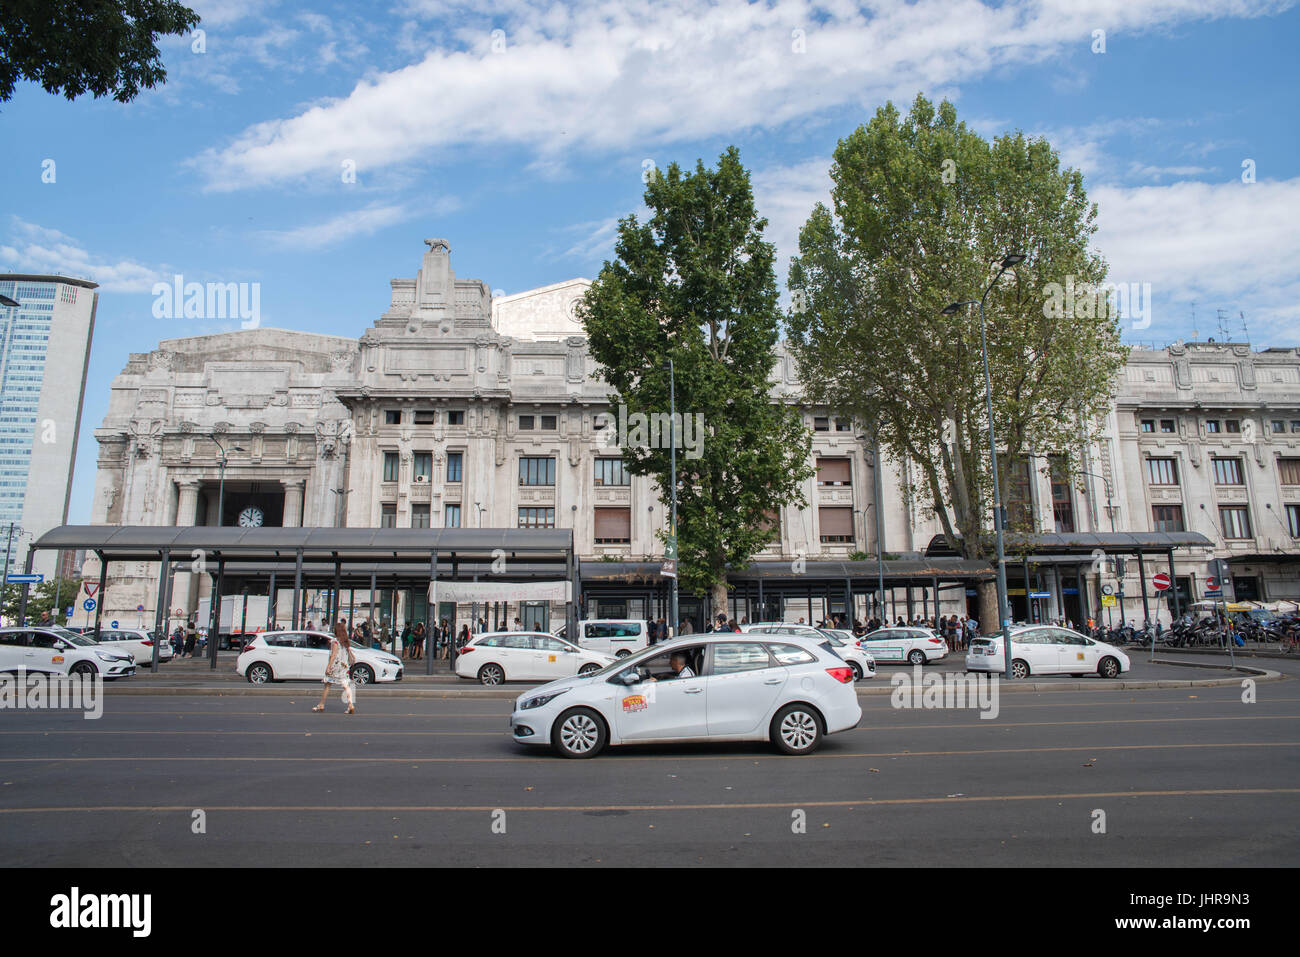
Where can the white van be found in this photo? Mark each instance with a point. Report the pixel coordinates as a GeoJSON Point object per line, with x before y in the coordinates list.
{"type": "Point", "coordinates": [610, 636]}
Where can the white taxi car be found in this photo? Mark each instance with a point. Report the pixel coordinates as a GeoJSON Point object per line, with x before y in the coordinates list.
{"type": "Point", "coordinates": [499, 656]}
{"type": "Point", "coordinates": [55, 650]}
{"type": "Point", "coordinates": [1047, 650]}
{"type": "Point", "coordinates": [785, 689]}
{"type": "Point", "coordinates": [294, 655]}
{"type": "Point", "coordinates": [860, 660]}
{"type": "Point", "coordinates": [916, 646]}
{"type": "Point", "coordinates": [135, 642]}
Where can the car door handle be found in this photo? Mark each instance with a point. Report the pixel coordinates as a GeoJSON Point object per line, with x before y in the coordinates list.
{"type": "Point", "coordinates": [693, 690]}
{"type": "Point", "coordinates": [773, 681]}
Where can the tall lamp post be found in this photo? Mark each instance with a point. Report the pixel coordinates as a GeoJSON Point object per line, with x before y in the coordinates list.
{"type": "Point", "coordinates": [673, 622]}
{"type": "Point", "coordinates": [1008, 261]}
{"type": "Point", "coordinates": [221, 482]}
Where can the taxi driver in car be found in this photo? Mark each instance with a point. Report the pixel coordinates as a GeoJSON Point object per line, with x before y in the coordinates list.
{"type": "Point", "coordinates": [680, 668]}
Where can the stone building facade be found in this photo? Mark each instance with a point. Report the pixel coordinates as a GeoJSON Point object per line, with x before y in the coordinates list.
{"type": "Point", "coordinates": [457, 409]}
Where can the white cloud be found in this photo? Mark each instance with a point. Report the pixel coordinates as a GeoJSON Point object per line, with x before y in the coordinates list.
{"type": "Point", "coordinates": [37, 249]}
{"type": "Point", "coordinates": [663, 71]}
{"type": "Point", "coordinates": [345, 226]}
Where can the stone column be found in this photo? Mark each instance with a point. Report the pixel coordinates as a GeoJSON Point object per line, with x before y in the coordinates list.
{"type": "Point", "coordinates": [293, 489]}
{"type": "Point", "coordinates": [187, 513]}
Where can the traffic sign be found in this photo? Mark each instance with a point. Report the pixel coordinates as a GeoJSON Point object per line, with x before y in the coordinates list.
{"type": "Point", "coordinates": [139, 607]}
{"type": "Point", "coordinates": [1107, 601]}
{"type": "Point", "coordinates": [1211, 584]}
{"type": "Point", "coordinates": [113, 625]}
{"type": "Point", "coordinates": [91, 588]}
{"type": "Point", "coordinates": [26, 579]}
{"type": "Point", "coordinates": [1040, 594]}
{"type": "Point", "coordinates": [1213, 593]}
{"type": "Point", "coordinates": [88, 604]}
{"type": "Point", "coordinates": [1161, 581]}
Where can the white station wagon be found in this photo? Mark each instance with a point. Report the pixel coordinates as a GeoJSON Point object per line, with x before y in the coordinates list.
{"type": "Point", "coordinates": [785, 689]}
{"type": "Point", "coordinates": [916, 646]}
{"type": "Point", "coordinates": [499, 656]}
{"type": "Point", "coordinates": [291, 655]}
{"type": "Point", "coordinates": [1047, 650]}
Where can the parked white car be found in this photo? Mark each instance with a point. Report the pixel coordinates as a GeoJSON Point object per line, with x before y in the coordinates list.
{"type": "Point", "coordinates": [498, 656]}
{"type": "Point", "coordinates": [294, 655]}
{"type": "Point", "coordinates": [609, 636]}
{"type": "Point", "coordinates": [136, 642]}
{"type": "Point", "coordinates": [916, 646]}
{"type": "Point", "coordinates": [785, 689]}
{"type": "Point", "coordinates": [1047, 650]}
{"type": "Point", "coordinates": [55, 650]}
{"type": "Point", "coordinates": [862, 662]}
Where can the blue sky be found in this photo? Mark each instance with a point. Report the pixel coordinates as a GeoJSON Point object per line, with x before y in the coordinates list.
{"type": "Point", "coordinates": [519, 132]}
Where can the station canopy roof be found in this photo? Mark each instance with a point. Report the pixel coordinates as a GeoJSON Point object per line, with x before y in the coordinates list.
{"type": "Point", "coordinates": [921, 570]}
{"type": "Point", "coordinates": [1057, 543]}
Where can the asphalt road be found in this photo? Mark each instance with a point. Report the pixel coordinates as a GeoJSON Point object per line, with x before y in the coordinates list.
{"type": "Point", "coordinates": [1183, 776]}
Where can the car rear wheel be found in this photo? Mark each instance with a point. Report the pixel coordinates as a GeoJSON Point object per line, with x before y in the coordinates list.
{"type": "Point", "coordinates": [857, 670]}
{"type": "Point", "coordinates": [579, 733]}
{"type": "Point", "coordinates": [916, 657]}
{"type": "Point", "coordinates": [491, 675]}
{"type": "Point", "coordinates": [84, 668]}
{"type": "Point", "coordinates": [362, 675]}
{"type": "Point", "coordinates": [622, 653]}
{"type": "Point", "coordinates": [1019, 669]}
{"type": "Point", "coordinates": [796, 729]}
{"type": "Point", "coordinates": [259, 673]}
{"type": "Point", "coordinates": [588, 668]}
{"type": "Point", "coordinates": [1108, 667]}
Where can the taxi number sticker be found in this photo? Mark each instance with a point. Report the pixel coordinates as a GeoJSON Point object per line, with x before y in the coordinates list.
{"type": "Point", "coordinates": [1080, 655]}
{"type": "Point", "coordinates": [550, 658]}
{"type": "Point", "coordinates": [635, 702]}
{"type": "Point", "coordinates": [58, 659]}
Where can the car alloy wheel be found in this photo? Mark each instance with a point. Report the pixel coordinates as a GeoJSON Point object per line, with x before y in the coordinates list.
{"type": "Point", "coordinates": [588, 669]}
{"type": "Point", "coordinates": [259, 673]}
{"type": "Point", "coordinates": [857, 671]}
{"type": "Point", "coordinates": [916, 657]}
{"type": "Point", "coordinates": [362, 675]}
{"type": "Point", "coordinates": [1019, 669]}
{"type": "Point", "coordinates": [491, 675]}
{"type": "Point", "coordinates": [1109, 668]}
{"type": "Point", "coordinates": [579, 734]}
{"type": "Point", "coordinates": [796, 729]}
{"type": "Point", "coordinates": [84, 668]}
{"type": "Point", "coordinates": [622, 653]}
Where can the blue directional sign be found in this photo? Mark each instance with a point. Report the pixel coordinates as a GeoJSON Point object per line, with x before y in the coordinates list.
{"type": "Point", "coordinates": [1040, 594]}
{"type": "Point", "coordinates": [26, 579]}
{"type": "Point", "coordinates": [113, 625]}
{"type": "Point", "coordinates": [88, 604]}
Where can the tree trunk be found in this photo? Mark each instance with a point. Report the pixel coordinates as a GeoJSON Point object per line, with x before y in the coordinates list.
{"type": "Point", "coordinates": [719, 596]}
{"type": "Point", "coordinates": [988, 595]}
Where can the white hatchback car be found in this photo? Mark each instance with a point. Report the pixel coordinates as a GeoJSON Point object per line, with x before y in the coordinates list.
{"type": "Point", "coordinates": [136, 642]}
{"type": "Point", "coordinates": [785, 689]}
{"type": "Point", "coordinates": [499, 656]}
{"type": "Point", "coordinates": [1047, 650]}
{"type": "Point", "coordinates": [916, 646]}
{"type": "Point", "coordinates": [861, 661]}
{"type": "Point", "coordinates": [55, 650]}
{"type": "Point", "coordinates": [291, 655]}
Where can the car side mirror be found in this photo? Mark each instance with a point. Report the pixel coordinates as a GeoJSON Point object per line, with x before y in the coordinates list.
{"type": "Point", "coordinates": [630, 677]}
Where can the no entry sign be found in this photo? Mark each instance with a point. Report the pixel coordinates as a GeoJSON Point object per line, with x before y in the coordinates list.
{"type": "Point", "coordinates": [1161, 581]}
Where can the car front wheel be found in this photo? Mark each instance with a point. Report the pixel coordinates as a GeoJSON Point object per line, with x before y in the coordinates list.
{"type": "Point", "coordinates": [588, 668]}
{"type": "Point", "coordinates": [1019, 669]}
{"type": "Point", "coordinates": [1108, 668]}
{"type": "Point", "coordinates": [579, 733]}
{"type": "Point", "coordinates": [916, 657]}
{"type": "Point", "coordinates": [84, 668]}
{"type": "Point", "coordinates": [857, 670]}
{"type": "Point", "coordinates": [362, 675]}
{"type": "Point", "coordinates": [796, 729]}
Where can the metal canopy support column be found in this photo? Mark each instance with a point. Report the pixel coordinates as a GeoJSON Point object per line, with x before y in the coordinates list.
{"type": "Point", "coordinates": [1173, 588]}
{"type": "Point", "coordinates": [103, 579]}
{"type": "Point", "coordinates": [167, 604]}
{"type": "Point", "coordinates": [1029, 602]}
{"type": "Point", "coordinates": [1142, 580]}
{"type": "Point", "coordinates": [433, 613]}
{"type": "Point", "coordinates": [334, 605]}
{"type": "Point", "coordinates": [22, 601]}
{"type": "Point", "coordinates": [214, 630]}
{"type": "Point", "coordinates": [297, 591]}
{"type": "Point", "coordinates": [374, 622]}
{"type": "Point", "coordinates": [160, 604]}
{"type": "Point", "coordinates": [762, 607]}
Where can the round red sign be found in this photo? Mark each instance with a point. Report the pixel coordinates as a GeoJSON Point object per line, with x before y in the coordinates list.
{"type": "Point", "coordinates": [1161, 581]}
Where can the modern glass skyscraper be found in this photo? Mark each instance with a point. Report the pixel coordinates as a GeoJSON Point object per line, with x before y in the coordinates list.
{"type": "Point", "coordinates": [44, 350]}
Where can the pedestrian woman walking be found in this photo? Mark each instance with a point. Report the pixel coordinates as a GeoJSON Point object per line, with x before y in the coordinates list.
{"type": "Point", "coordinates": [339, 670]}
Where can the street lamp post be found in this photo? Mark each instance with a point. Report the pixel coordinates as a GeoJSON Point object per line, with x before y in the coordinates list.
{"type": "Point", "coordinates": [673, 623]}
{"type": "Point", "coordinates": [1008, 261]}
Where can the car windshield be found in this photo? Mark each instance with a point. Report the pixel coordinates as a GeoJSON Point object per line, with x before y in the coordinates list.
{"type": "Point", "coordinates": [70, 636]}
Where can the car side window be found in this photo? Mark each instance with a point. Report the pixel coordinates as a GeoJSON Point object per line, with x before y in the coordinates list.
{"type": "Point", "coordinates": [541, 643]}
{"type": "Point", "coordinates": [317, 642]}
{"type": "Point", "coordinates": [730, 657]}
{"type": "Point", "coordinates": [516, 641]}
{"type": "Point", "coordinates": [791, 654]}
{"type": "Point", "coordinates": [42, 639]}
{"type": "Point", "coordinates": [13, 638]}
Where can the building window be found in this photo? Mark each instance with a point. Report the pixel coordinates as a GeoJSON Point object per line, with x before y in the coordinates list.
{"type": "Point", "coordinates": [833, 472]}
{"type": "Point", "coordinates": [536, 471]}
{"type": "Point", "coordinates": [1233, 425]}
{"type": "Point", "coordinates": [548, 423]}
{"type": "Point", "coordinates": [821, 423]}
{"type": "Point", "coordinates": [1245, 588]}
{"type": "Point", "coordinates": [537, 518]}
{"type": "Point", "coordinates": [1227, 472]}
{"type": "Point", "coordinates": [425, 417]}
{"type": "Point", "coordinates": [388, 515]}
{"type": "Point", "coordinates": [835, 524]}
{"type": "Point", "coordinates": [1148, 425]}
{"type": "Point", "coordinates": [613, 526]}
{"type": "Point", "coordinates": [1279, 426]}
{"type": "Point", "coordinates": [1162, 471]}
{"type": "Point", "coordinates": [423, 466]}
{"type": "Point", "coordinates": [1235, 521]}
{"type": "Point", "coordinates": [1062, 499]}
{"type": "Point", "coordinates": [1293, 520]}
{"type": "Point", "coordinates": [611, 472]}
{"type": "Point", "coordinates": [1167, 426]}
{"type": "Point", "coordinates": [1019, 502]}
{"type": "Point", "coordinates": [526, 423]}
{"type": "Point", "coordinates": [392, 416]}
{"type": "Point", "coordinates": [456, 417]}
{"type": "Point", "coordinates": [1212, 426]}
{"type": "Point", "coordinates": [1167, 518]}
{"type": "Point", "coordinates": [419, 516]}
{"type": "Point", "coordinates": [1295, 425]}
{"type": "Point", "coordinates": [452, 518]}
{"type": "Point", "coordinates": [1288, 471]}
{"type": "Point", "coordinates": [454, 460]}
{"type": "Point", "coordinates": [843, 425]}
{"type": "Point", "coordinates": [391, 466]}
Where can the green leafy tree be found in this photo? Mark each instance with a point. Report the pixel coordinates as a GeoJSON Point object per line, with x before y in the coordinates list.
{"type": "Point", "coordinates": [695, 283]}
{"type": "Point", "coordinates": [40, 598]}
{"type": "Point", "coordinates": [922, 212]}
{"type": "Point", "coordinates": [104, 47]}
